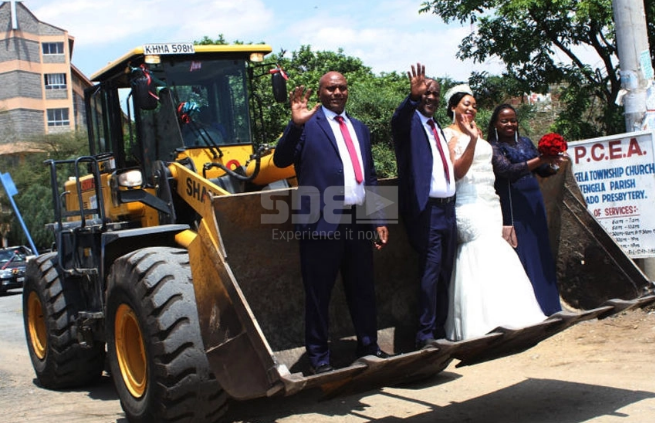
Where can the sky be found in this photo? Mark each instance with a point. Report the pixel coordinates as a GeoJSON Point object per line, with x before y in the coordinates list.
{"type": "Point", "coordinates": [387, 35]}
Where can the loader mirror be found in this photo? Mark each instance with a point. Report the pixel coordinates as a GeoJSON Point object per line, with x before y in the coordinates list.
{"type": "Point", "coordinates": [144, 97]}
{"type": "Point", "coordinates": [279, 81]}
{"type": "Point", "coordinates": [144, 89]}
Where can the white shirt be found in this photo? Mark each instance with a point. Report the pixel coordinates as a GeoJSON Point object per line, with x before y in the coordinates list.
{"type": "Point", "coordinates": [353, 193]}
{"type": "Point", "coordinates": [439, 187]}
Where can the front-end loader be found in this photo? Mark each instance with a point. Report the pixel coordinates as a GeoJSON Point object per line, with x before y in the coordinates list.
{"type": "Point", "coordinates": [175, 268]}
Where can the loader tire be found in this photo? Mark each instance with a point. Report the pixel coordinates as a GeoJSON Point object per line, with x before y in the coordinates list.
{"type": "Point", "coordinates": [51, 301]}
{"type": "Point", "coordinates": [156, 354]}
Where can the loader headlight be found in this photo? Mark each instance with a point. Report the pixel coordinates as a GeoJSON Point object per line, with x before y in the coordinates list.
{"type": "Point", "coordinates": [130, 179]}
{"type": "Point", "coordinates": [256, 57]}
{"type": "Point", "coordinates": [152, 59]}
{"type": "Point", "coordinates": [124, 180]}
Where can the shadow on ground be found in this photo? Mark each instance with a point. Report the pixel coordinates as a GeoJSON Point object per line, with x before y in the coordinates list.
{"type": "Point", "coordinates": [533, 400]}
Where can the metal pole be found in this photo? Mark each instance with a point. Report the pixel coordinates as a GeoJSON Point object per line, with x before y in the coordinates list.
{"type": "Point", "coordinates": [14, 17]}
{"type": "Point", "coordinates": [636, 71]}
{"type": "Point", "coordinates": [634, 59]}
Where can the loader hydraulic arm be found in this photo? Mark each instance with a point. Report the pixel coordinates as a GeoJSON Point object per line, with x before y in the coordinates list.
{"type": "Point", "coordinates": [197, 191]}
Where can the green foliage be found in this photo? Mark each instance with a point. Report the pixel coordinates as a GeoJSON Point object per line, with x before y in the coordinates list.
{"type": "Point", "coordinates": [371, 98]}
{"type": "Point", "coordinates": [36, 208]}
{"type": "Point", "coordinates": [649, 8]}
{"type": "Point", "coordinates": [491, 90]}
{"type": "Point", "coordinates": [385, 161]}
{"type": "Point", "coordinates": [530, 36]}
{"type": "Point", "coordinates": [306, 67]}
{"type": "Point", "coordinates": [208, 41]}
{"type": "Point", "coordinates": [34, 198]}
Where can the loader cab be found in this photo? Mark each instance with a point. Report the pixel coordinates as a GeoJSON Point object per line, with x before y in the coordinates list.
{"type": "Point", "coordinates": [161, 99]}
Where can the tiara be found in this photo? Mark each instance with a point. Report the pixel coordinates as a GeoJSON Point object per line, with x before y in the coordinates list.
{"type": "Point", "coordinates": [461, 88]}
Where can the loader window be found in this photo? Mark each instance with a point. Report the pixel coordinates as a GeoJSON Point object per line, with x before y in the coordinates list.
{"type": "Point", "coordinates": [105, 122]}
{"type": "Point", "coordinates": [199, 126]}
{"type": "Point", "coordinates": [211, 101]}
{"type": "Point", "coordinates": [111, 124]}
{"type": "Point", "coordinates": [159, 132]}
{"type": "Point", "coordinates": [200, 103]}
{"type": "Point", "coordinates": [133, 153]}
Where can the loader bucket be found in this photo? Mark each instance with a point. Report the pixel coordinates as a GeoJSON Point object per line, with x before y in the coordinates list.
{"type": "Point", "coordinates": [591, 267]}
{"type": "Point", "coordinates": [251, 307]}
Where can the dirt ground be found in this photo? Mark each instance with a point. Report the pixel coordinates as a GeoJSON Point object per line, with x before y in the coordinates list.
{"type": "Point", "coordinates": [597, 371]}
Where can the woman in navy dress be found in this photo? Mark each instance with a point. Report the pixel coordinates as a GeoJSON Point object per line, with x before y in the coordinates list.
{"type": "Point", "coordinates": [515, 163]}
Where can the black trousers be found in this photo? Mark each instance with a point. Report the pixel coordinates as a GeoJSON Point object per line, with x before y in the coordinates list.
{"type": "Point", "coordinates": [434, 236]}
{"type": "Point", "coordinates": [348, 250]}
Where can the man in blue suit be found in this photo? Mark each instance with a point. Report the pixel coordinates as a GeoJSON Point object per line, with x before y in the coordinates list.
{"type": "Point", "coordinates": [331, 152]}
{"type": "Point", "coordinates": [426, 182]}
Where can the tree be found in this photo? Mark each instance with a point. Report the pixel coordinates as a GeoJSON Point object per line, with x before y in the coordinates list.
{"type": "Point", "coordinates": [530, 36]}
{"type": "Point", "coordinates": [34, 198]}
{"type": "Point", "coordinates": [372, 98]}
{"type": "Point", "coordinates": [649, 9]}
{"type": "Point", "coordinates": [208, 41]}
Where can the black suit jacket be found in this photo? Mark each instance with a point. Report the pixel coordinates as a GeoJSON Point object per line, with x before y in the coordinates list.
{"type": "Point", "coordinates": [313, 150]}
{"type": "Point", "coordinates": [413, 158]}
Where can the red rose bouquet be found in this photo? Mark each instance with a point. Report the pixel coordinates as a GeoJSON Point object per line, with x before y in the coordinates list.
{"type": "Point", "coordinates": [552, 144]}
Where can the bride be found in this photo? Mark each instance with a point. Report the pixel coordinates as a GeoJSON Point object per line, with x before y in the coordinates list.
{"type": "Point", "coordinates": [489, 287]}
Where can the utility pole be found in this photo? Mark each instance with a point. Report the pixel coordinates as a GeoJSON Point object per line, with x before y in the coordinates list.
{"type": "Point", "coordinates": [634, 59]}
{"type": "Point", "coordinates": [636, 72]}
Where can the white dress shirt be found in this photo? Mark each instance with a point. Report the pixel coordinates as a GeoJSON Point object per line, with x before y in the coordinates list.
{"type": "Point", "coordinates": [439, 187]}
{"type": "Point", "coordinates": [354, 193]}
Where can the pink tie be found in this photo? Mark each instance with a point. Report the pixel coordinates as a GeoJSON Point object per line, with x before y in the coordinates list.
{"type": "Point", "coordinates": [443, 157]}
{"type": "Point", "coordinates": [351, 149]}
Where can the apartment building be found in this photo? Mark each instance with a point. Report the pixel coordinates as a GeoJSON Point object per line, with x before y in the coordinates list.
{"type": "Point", "coordinates": [41, 92]}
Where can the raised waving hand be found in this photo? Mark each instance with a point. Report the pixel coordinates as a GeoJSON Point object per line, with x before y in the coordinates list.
{"type": "Point", "coordinates": [417, 81]}
{"type": "Point", "coordinates": [299, 98]}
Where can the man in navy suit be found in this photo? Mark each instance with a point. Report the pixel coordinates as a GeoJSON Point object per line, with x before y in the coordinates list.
{"type": "Point", "coordinates": [426, 183]}
{"type": "Point", "coordinates": [331, 152]}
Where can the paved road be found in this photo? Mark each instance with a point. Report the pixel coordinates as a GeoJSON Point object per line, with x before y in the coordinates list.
{"type": "Point", "coordinates": [598, 371]}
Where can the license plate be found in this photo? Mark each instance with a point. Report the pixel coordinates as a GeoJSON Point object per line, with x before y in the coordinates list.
{"type": "Point", "coordinates": [169, 48]}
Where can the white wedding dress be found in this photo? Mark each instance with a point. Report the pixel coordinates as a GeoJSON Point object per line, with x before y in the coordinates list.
{"type": "Point", "coordinates": [489, 287]}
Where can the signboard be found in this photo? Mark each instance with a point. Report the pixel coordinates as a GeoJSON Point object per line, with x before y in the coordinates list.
{"type": "Point", "coordinates": [10, 189]}
{"type": "Point", "coordinates": [616, 176]}
{"type": "Point", "coordinates": [8, 184]}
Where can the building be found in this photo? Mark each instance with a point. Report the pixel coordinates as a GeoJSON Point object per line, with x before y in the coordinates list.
{"type": "Point", "coordinates": [42, 92]}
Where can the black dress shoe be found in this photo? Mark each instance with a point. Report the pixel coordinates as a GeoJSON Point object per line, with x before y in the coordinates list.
{"type": "Point", "coordinates": [323, 368]}
{"type": "Point", "coordinates": [423, 343]}
{"type": "Point", "coordinates": [378, 354]}
{"type": "Point", "coordinates": [382, 354]}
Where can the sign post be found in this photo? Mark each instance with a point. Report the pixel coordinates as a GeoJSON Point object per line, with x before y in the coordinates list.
{"type": "Point", "coordinates": [11, 190]}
